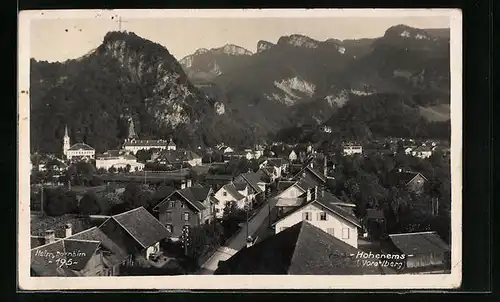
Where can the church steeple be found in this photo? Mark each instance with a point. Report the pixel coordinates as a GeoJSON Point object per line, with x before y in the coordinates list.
{"type": "Point", "coordinates": [66, 142]}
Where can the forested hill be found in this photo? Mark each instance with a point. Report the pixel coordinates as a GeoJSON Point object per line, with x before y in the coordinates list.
{"type": "Point", "coordinates": [373, 116]}
{"type": "Point", "coordinates": [126, 77]}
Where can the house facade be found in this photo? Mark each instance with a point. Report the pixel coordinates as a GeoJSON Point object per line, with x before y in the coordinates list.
{"type": "Point", "coordinates": [189, 207]}
{"type": "Point", "coordinates": [351, 149]}
{"type": "Point", "coordinates": [292, 156]}
{"type": "Point", "coordinates": [133, 145]}
{"type": "Point", "coordinates": [120, 161]}
{"type": "Point", "coordinates": [325, 218]}
{"type": "Point", "coordinates": [422, 152]}
{"type": "Point", "coordinates": [230, 193]}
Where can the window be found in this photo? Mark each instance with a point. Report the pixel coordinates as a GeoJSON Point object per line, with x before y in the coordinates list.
{"type": "Point", "coordinates": [217, 210]}
{"type": "Point", "coordinates": [172, 204]}
{"type": "Point", "coordinates": [182, 205]}
{"type": "Point", "coordinates": [322, 216]}
{"type": "Point", "coordinates": [224, 193]}
{"type": "Point", "coordinates": [306, 216]}
{"type": "Point", "coordinates": [345, 233]}
{"type": "Point", "coordinates": [170, 228]}
{"type": "Point", "coordinates": [331, 231]}
{"type": "Point", "coordinates": [186, 216]}
{"type": "Point", "coordinates": [168, 215]}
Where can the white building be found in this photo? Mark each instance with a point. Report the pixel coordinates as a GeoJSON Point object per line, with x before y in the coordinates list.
{"type": "Point", "coordinates": [230, 193]}
{"type": "Point", "coordinates": [78, 150]}
{"type": "Point", "coordinates": [422, 151]}
{"type": "Point", "coordinates": [132, 145]}
{"type": "Point", "coordinates": [292, 156]}
{"type": "Point", "coordinates": [326, 216]}
{"type": "Point", "coordinates": [119, 161]}
{"type": "Point", "coordinates": [350, 149]}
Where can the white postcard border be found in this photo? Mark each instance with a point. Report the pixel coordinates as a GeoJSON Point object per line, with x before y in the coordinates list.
{"type": "Point", "coordinates": [441, 281]}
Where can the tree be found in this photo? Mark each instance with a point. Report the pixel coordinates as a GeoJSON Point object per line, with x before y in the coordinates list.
{"type": "Point", "coordinates": [89, 204]}
{"type": "Point", "coordinates": [58, 202]}
{"type": "Point", "coordinates": [112, 169]}
{"type": "Point", "coordinates": [136, 195]}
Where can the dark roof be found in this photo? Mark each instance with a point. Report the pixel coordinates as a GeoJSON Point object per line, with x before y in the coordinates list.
{"type": "Point", "coordinates": [191, 198]}
{"type": "Point", "coordinates": [240, 186]}
{"type": "Point", "coordinates": [302, 249]}
{"type": "Point", "coordinates": [312, 171]}
{"type": "Point", "coordinates": [419, 243]}
{"type": "Point", "coordinates": [253, 180]}
{"type": "Point", "coordinates": [116, 253]}
{"type": "Point", "coordinates": [307, 182]}
{"type": "Point", "coordinates": [402, 178]}
{"type": "Point", "coordinates": [176, 156]}
{"type": "Point", "coordinates": [80, 146]}
{"type": "Point", "coordinates": [142, 226]}
{"type": "Point", "coordinates": [46, 266]}
{"type": "Point", "coordinates": [329, 206]}
{"type": "Point", "coordinates": [200, 193]}
{"type": "Point", "coordinates": [39, 224]}
{"type": "Point", "coordinates": [423, 149]}
{"type": "Point", "coordinates": [231, 188]}
{"type": "Point", "coordinates": [36, 241]}
{"type": "Point", "coordinates": [276, 162]}
{"type": "Point", "coordinates": [284, 184]}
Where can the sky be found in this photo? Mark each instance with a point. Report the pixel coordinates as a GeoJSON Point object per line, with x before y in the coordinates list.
{"type": "Point", "coordinates": [59, 39]}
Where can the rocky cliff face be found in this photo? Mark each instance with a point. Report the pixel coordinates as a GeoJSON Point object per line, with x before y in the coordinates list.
{"type": "Point", "coordinates": [126, 77]}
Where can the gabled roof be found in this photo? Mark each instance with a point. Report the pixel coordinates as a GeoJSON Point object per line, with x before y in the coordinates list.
{"type": "Point", "coordinates": [176, 156]}
{"type": "Point", "coordinates": [116, 253]}
{"type": "Point", "coordinates": [192, 195]}
{"type": "Point", "coordinates": [46, 266]}
{"type": "Point", "coordinates": [329, 207]}
{"type": "Point", "coordinates": [302, 249]}
{"type": "Point", "coordinates": [285, 184]}
{"type": "Point", "coordinates": [397, 178]}
{"type": "Point", "coordinates": [253, 180]}
{"type": "Point", "coordinates": [231, 189]}
{"type": "Point", "coordinates": [142, 226]}
{"type": "Point", "coordinates": [276, 162]}
{"type": "Point", "coordinates": [419, 243]}
{"type": "Point", "coordinates": [81, 146]}
{"type": "Point", "coordinates": [240, 186]}
{"type": "Point", "coordinates": [312, 171]}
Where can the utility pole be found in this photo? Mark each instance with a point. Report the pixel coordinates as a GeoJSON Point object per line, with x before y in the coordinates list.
{"type": "Point", "coordinates": [41, 201]}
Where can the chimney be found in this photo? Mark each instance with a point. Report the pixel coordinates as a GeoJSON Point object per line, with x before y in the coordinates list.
{"type": "Point", "coordinates": [189, 183]}
{"type": "Point", "coordinates": [315, 192]}
{"type": "Point", "coordinates": [400, 170]}
{"type": "Point", "coordinates": [50, 236]}
{"type": "Point", "coordinates": [308, 195]}
{"type": "Point", "coordinates": [311, 165]}
{"type": "Point", "coordinates": [68, 228]}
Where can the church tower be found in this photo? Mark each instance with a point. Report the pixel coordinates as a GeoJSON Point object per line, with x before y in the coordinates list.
{"type": "Point", "coordinates": [66, 142]}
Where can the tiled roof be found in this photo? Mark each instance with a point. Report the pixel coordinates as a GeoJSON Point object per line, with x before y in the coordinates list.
{"type": "Point", "coordinates": [46, 266]}
{"type": "Point", "coordinates": [253, 180]}
{"type": "Point", "coordinates": [240, 186]}
{"type": "Point", "coordinates": [176, 156]}
{"type": "Point", "coordinates": [231, 189]}
{"type": "Point", "coordinates": [302, 249]}
{"type": "Point", "coordinates": [419, 243]}
{"type": "Point", "coordinates": [312, 171]}
{"type": "Point", "coordinates": [190, 197]}
{"type": "Point", "coordinates": [146, 143]}
{"type": "Point", "coordinates": [117, 253]}
{"type": "Point", "coordinates": [81, 146]}
{"type": "Point", "coordinates": [143, 226]}
{"type": "Point", "coordinates": [284, 184]}
{"type": "Point", "coordinates": [276, 162]}
{"type": "Point", "coordinates": [402, 178]}
{"type": "Point", "coordinates": [39, 224]}
{"type": "Point", "coordinates": [329, 206]}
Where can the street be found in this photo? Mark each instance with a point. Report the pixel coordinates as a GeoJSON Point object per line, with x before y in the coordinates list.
{"type": "Point", "coordinates": [239, 240]}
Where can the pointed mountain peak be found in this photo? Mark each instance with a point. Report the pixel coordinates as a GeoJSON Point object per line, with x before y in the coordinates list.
{"type": "Point", "coordinates": [406, 32]}
{"type": "Point", "coordinates": [263, 45]}
{"type": "Point", "coordinates": [299, 41]}
{"type": "Point", "coordinates": [231, 49]}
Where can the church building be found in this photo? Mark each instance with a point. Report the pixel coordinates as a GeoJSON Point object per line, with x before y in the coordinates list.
{"type": "Point", "coordinates": [78, 150]}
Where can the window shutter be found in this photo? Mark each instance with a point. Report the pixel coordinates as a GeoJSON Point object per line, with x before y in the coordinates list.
{"type": "Point", "coordinates": [318, 216]}
{"type": "Point", "coordinates": [304, 216]}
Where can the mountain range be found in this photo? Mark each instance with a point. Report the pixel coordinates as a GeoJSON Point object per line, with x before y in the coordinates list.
{"type": "Point", "coordinates": [232, 95]}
